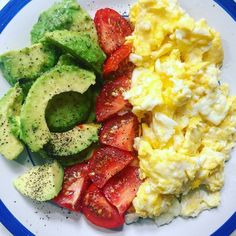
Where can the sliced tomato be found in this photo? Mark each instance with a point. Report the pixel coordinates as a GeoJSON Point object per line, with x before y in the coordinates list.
{"type": "Point", "coordinates": [120, 132]}
{"type": "Point", "coordinates": [76, 181]}
{"type": "Point", "coordinates": [106, 162]}
{"type": "Point", "coordinates": [121, 189]}
{"type": "Point", "coordinates": [111, 100]}
{"type": "Point", "coordinates": [99, 211]}
{"type": "Point", "coordinates": [125, 68]}
{"type": "Point", "coordinates": [113, 62]}
{"type": "Point", "coordinates": [131, 209]}
{"type": "Point", "coordinates": [135, 162]}
{"type": "Point", "coordinates": [112, 29]}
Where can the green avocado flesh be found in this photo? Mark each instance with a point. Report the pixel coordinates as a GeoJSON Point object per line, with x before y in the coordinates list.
{"type": "Point", "coordinates": [95, 92]}
{"type": "Point", "coordinates": [67, 59]}
{"type": "Point", "coordinates": [41, 183]}
{"type": "Point", "coordinates": [84, 155]}
{"type": "Point", "coordinates": [25, 85]}
{"type": "Point", "coordinates": [66, 14]}
{"type": "Point", "coordinates": [65, 110]}
{"type": "Point", "coordinates": [72, 142]}
{"type": "Point", "coordinates": [79, 45]}
{"type": "Point", "coordinates": [10, 105]}
{"type": "Point", "coordinates": [27, 63]}
{"type": "Point", "coordinates": [34, 129]}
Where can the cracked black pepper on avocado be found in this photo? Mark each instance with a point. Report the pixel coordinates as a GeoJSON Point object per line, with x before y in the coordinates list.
{"type": "Point", "coordinates": [27, 63]}
{"type": "Point", "coordinates": [67, 14]}
{"type": "Point", "coordinates": [51, 106]}
{"type": "Point", "coordinates": [41, 183]}
{"type": "Point", "coordinates": [80, 45]}
{"type": "Point", "coordinates": [73, 141]}
{"type": "Point", "coordinates": [34, 129]}
{"type": "Point", "coordinates": [10, 146]}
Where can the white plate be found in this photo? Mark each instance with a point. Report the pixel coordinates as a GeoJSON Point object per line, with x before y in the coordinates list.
{"type": "Point", "coordinates": [48, 220]}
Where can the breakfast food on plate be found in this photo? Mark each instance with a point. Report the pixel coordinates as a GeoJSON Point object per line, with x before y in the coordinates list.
{"type": "Point", "coordinates": [10, 105]}
{"type": "Point", "coordinates": [80, 45]}
{"type": "Point", "coordinates": [27, 63]}
{"type": "Point", "coordinates": [129, 117]}
{"type": "Point", "coordinates": [187, 116]}
{"type": "Point", "coordinates": [41, 183]}
{"type": "Point", "coordinates": [112, 29]}
{"type": "Point", "coordinates": [65, 15]}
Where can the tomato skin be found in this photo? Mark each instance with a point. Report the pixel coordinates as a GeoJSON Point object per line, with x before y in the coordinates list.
{"type": "Point", "coordinates": [99, 211]}
{"type": "Point", "coordinates": [112, 29]}
{"type": "Point", "coordinates": [76, 181]}
{"type": "Point", "coordinates": [120, 132]}
{"type": "Point", "coordinates": [110, 99]}
{"type": "Point", "coordinates": [106, 162]}
{"type": "Point", "coordinates": [125, 68]}
{"type": "Point", "coordinates": [113, 62]}
{"type": "Point", "coordinates": [121, 189]}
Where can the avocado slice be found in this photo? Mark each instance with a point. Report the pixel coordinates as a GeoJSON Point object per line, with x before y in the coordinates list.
{"type": "Point", "coordinates": [25, 85]}
{"type": "Point", "coordinates": [27, 63]}
{"type": "Point", "coordinates": [66, 14]}
{"type": "Point", "coordinates": [14, 112]}
{"type": "Point", "coordinates": [34, 130]}
{"type": "Point", "coordinates": [83, 156]}
{"type": "Point", "coordinates": [65, 110]}
{"type": "Point", "coordinates": [72, 142]}
{"type": "Point", "coordinates": [41, 183]}
{"type": "Point", "coordinates": [10, 104]}
{"type": "Point", "coordinates": [67, 59]}
{"type": "Point", "coordinates": [95, 92]}
{"type": "Point", "coordinates": [79, 45]}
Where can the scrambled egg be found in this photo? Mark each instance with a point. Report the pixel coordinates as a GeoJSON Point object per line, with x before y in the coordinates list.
{"type": "Point", "coordinates": [197, 201]}
{"type": "Point", "coordinates": [188, 118]}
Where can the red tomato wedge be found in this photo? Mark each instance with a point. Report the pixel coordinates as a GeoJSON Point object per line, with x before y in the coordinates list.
{"type": "Point", "coordinates": [120, 132]}
{"type": "Point", "coordinates": [111, 100]}
{"type": "Point", "coordinates": [125, 68]}
{"type": "Point", "coordinates": [112, 29]}
{"type": "Point", "coordinates": [113, 62]}
{"type": "Point", "coordinates": [121, 189]}
{"type": "Point", "coordinates": [76, 181]}
{"type": "Point", "coordinates": [106, 162]}
{"type": "Point", "coordinates": [99, 211]}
